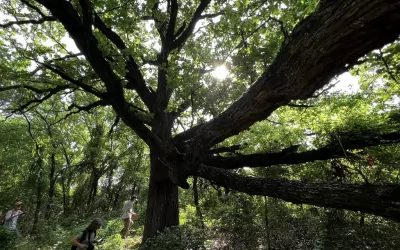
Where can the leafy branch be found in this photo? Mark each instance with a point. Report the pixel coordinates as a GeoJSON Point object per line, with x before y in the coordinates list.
{"type": "Point", "coordinates": [22, 22]}
{"type": "Point", "coordinates": [134, 76]}
{"type": "Point", "coordinates": [387, 67]}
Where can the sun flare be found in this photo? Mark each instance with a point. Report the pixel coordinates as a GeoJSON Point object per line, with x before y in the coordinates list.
{"type": "Point", "coordinates": [220, 72]}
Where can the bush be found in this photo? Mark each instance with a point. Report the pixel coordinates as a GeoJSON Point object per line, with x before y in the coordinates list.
{"type": "Point", "coordinates": [184, 237]}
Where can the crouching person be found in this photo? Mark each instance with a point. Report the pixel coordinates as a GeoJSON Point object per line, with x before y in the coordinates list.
{"type": "Point", "coordinates": [85, 239]}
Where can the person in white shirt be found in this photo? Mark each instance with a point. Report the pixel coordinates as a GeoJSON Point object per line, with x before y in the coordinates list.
{"type": "Point", "coordinates": [127, 214]}
{"type": "Point", "coordinates": [11, 218]}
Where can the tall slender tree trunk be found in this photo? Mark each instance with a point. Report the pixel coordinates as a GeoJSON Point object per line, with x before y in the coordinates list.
{"type": "Point", "coordinates": [109, 191]}
{"type": "Point", "coordinates": [52, 179]}
{"type": "Point", "coordinates": [162, 204]}
{"type": "Point", "coordinates": [38, 199]}
{"type": "Point", "coordinates": [66, 183]}
{"type": "Point", "coordinates": [94, 185]}
{"type": "Point", "coordinates": [133, 191]}
{"type": "Point", "coordinates": [67, 189]}
{"type": "Point", "coordinates": [196, 202]}
{"type": "Point", "coordinates": [118, 191]}
{"type": "Point", "coordinates": [266, 218]}
{"type": "Point", "coordinates": [64, 194]}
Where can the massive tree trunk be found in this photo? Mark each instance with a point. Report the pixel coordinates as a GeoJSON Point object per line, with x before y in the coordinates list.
{"type": "Point", "coordinates": [162, 207]}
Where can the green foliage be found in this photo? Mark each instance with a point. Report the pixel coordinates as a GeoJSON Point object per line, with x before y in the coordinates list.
{"type": "Point", "coordinates": [68, 166]}
{"type": "Point", "coordinates": [184, 237]}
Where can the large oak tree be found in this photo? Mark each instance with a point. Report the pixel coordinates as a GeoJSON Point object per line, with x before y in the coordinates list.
{"type": "Point", "coordinates": [149, 61]}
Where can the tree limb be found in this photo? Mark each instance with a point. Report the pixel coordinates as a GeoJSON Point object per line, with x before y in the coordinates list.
{"type": "Point", "coordinates": [134, 76]}
{"type": "Point", "coordinates": [37, 9]}
{"type": "Point", "coordinates": [284, 32]}
{"type": "Point", "coordinates": [315, 52]}
{"type": "Point", "coordinates": [40, 21]}
{"type": "Point", "coordinates": [115, 123]}
{"type": "Point", "coordinates": [86, 108]}
{"type": "Point", "coordinates": [87, 15]}
{"type": "Point", "coordinates": [24, 86]}
{"type": "Point", "coordinates": [78, 83]}
{"type": "Point", "coordinates": [87, 43]}
{"type": "Point", "coordinates": [150, 62]}
{"type": "Point", "coordinates": [172, 22]}
{"type": "Point", "coordinates": [189, 30]}
{"type": "Point", "coordinates": [330, 151]}
{"type": "Point", "coordinates": [387, 67]}
{"type": "Point", "coordinates": [37, 101]}
{"type": "Point", "coordinates": [382, 200]}
{"type": "Point", "coordinates": [212, 15]}
{"type": "Point", "coordinates": [33, 72]}
{"type": "Point", "coordinates": [230, 149]}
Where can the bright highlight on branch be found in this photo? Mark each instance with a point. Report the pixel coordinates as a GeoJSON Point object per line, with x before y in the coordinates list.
{"type": "Point", "coordinates": [221, 72]}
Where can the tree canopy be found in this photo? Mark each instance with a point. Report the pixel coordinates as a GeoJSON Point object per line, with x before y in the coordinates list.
{"type": "Point", "coordinates": [149, 64]}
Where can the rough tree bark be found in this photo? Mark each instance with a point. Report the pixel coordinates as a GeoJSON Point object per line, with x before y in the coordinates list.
{"type": "Point", "coordinates": [382, 200]}
{"type": "Point", "coordinates": [162, 204]}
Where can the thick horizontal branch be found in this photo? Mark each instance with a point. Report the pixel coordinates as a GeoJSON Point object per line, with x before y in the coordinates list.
{"type": "Point", "coordinates": [22, 22]}
{"type": "Point", "coordinates": [230, 149]}
{"type": "Point", "coordinates": [382, 200]}
{"type": "Point", "coordinates": [272, 159]}
{"type": "Point", "coordinates": [320, 47]}
{"type": "Point", "coordinates": [286, 156]}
